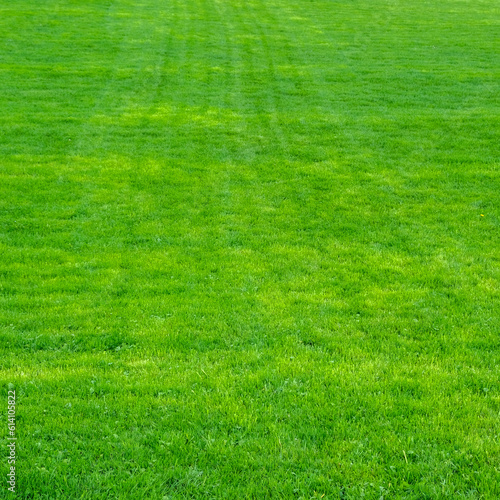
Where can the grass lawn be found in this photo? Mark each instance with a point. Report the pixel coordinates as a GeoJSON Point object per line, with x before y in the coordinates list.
{"type": "Point", "coordinates": [250, 249]}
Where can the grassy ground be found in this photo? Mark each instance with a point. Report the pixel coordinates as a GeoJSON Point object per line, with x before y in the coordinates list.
{"type": "Point", "coordinates": [251, 249]}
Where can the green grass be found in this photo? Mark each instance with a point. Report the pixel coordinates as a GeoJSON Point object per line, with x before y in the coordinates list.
{"type": "Point", "coordinates": [251, 249]}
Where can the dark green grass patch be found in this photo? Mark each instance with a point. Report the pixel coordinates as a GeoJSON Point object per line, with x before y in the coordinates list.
{"type": "Point", "coordinates": [250, 249]}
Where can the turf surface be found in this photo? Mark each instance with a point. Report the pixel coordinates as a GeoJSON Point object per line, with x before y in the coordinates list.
{"type": "Point", "coordinates": [251, 249]}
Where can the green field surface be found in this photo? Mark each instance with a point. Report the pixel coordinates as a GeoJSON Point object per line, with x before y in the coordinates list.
{"type": "Point", "coordinates": [250, 249]}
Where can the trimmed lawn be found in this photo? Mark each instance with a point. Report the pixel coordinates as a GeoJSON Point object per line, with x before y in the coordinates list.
{"type": "Point", "coordinates": [251, 249]}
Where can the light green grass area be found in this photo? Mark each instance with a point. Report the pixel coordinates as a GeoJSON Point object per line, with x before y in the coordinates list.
{"type": "Point", "coordinates": [250, 249]}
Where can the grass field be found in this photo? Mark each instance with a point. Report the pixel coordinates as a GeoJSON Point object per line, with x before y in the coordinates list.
{"type": "Point", "coordinates": [250, 249]}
